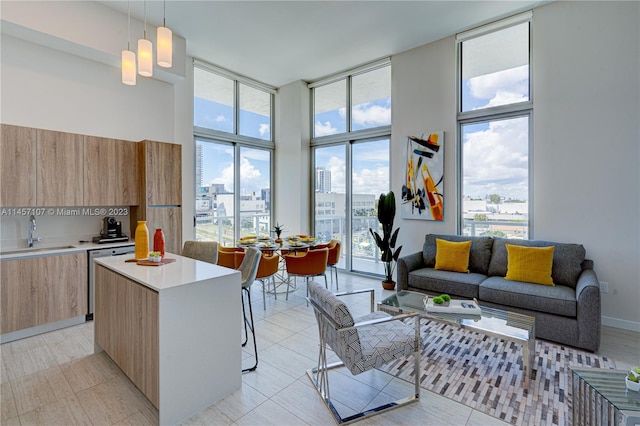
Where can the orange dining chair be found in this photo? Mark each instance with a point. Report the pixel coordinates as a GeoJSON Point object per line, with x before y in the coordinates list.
{"type": "Point", "coordinates": [227, 256]}
{"type": "Point", "coordinates": [333, 259]}
{"type": "Point", "coordinates": [267, 270]}
{"type": "Point", "coordinates": [311, 264]}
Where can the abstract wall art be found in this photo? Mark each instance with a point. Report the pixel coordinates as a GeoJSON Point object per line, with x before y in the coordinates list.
{"type": "Point", "coordinates": [422, 190]}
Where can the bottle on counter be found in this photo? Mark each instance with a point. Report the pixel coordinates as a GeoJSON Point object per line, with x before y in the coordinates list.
{"type": "Point", "coordinates": [158, 242]}
{"type": "Point", "coordinates": [142, 240]}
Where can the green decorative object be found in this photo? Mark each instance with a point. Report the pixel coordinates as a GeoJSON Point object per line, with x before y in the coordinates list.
{"type": "Point", "coordinates": [387, 242]}
{"type": "Point", "coordinates": [438, 300]}
{"type": "Point", "coordinates": [445, 297]}
{"type": "Point", "coordinates": [278, 229]}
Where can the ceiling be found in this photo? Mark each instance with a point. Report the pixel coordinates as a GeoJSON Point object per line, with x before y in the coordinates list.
{"type": "Point", "coordinates": [278, 42]}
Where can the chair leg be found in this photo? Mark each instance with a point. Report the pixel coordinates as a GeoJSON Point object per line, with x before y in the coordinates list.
{"type": "Point", "coordinates": [334, 269]}
{"type": "Point", "coordinates": [325, 282]}
{"type": "Point", "coordinates": [244, 315]}
{"type": "Point", "coordinates": [264, 296]}
{"type": "Point", "coordinates": [249, 322]}
{"type": "Point", "coordinates": [289, 284]}
{"type": "Point", "coordinates": [273, 282]}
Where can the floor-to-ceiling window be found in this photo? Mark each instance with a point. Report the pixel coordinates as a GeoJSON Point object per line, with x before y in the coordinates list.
{"type": "Point", "coordinates": [369, 179]}
{"type": "Point", "coordinates": [351, 136]}
{"type": "Point", "coordinates": [233, 131]}
{"type": "Point", "coordinates": [494, 119]}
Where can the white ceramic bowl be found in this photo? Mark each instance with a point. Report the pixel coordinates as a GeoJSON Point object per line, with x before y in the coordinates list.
{"type": "Point", "coordinates": [634, 386]}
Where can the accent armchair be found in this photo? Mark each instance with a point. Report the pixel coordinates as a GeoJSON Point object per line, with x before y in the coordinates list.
{"type": "Point", "coordinates": [361, 344]}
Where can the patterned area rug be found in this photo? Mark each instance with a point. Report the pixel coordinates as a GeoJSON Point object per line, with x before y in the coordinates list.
{"type": "Point", "coordinates": [486, 374]}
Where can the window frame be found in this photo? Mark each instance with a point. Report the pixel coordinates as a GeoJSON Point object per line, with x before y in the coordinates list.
{"type": "Point", "coordinates": [236, 140]}
{"type": "Point", "coordinates": [347, 139]}
{"type": "Point", "coordinates": [237, 81]}
{"type": "Point", "coordinates": [501, 112]}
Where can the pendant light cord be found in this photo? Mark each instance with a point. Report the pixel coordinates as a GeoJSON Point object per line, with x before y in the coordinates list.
{"type": "Point", "coordinates": [164, 13]}
{"type": "Point", "coordinates": [129, 26]}
{"type": "Point", "coordinates": [145, 19]}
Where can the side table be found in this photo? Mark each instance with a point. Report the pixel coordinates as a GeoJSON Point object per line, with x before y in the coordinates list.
{"type": "Point", "coordinates": [600, 397]}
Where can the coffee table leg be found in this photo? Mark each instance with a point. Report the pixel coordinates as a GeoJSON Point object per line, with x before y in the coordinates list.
{"type": "Point", "coordinates": [528, 355]}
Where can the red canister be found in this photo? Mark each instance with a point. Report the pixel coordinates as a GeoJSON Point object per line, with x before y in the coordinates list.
{"type": "Point", "coordinates": [158, 242]}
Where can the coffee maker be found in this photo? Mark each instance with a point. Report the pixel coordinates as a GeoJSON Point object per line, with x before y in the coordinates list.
{"type": "Point", "coordinates": [111, 227]}
{"type": "Point", "coordinates": [111, 231]}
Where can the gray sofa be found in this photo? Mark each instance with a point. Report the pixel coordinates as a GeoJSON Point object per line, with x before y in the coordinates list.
{"type": "Point", "coordinates": [567, 313]}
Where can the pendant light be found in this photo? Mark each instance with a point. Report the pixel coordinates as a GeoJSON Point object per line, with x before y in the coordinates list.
{"type": "Point", "coordinates": [164, 51]}
{"type": "Point", "coordinates": [145, 51]}
{"type": "Point", "coordinates": [129, 57]}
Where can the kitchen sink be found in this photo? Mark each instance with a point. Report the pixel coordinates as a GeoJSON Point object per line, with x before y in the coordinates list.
{"type": "Point", "coordinates": [34, 250]}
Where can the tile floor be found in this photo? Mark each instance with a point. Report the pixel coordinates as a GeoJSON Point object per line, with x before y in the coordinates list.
{"type": "Point", "coordinates": [56, 379]}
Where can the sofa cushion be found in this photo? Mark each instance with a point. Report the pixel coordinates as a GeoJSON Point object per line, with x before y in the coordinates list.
{"type": "Point", "coordinates": [452, 256]}
{"type": "Point", "coordinates": [567, 259]}
{"type": "Point", "coordinates": [529, 264]}
{"type": "Point", "coordinates": [458, 284]}
{"type": "Point", "coordinates": [557, 300]}
{"type": "Point", "coordinates": [479, 255]}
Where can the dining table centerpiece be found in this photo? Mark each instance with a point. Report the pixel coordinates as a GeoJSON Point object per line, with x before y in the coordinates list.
{"type": "Point", "coordinates": [278, 229]}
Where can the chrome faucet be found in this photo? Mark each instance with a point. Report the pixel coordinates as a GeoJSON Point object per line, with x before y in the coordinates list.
{"type": "Point", "coordinates": [32, 227]}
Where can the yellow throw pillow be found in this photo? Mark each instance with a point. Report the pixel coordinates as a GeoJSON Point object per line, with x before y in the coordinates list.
{"type": "Point", "coordinates": [529, 264]}
{"type": "Point", "coordinates": [452, 256]}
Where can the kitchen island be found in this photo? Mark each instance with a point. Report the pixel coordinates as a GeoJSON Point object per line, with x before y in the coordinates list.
{"type": "Point", "coordinates": [173, 329]}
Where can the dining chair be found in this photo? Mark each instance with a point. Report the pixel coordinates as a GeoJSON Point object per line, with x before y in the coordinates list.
{"type": "Point", "coordinates": [207, 251]}
{"type": "Point", "coordinates": [313, 263]}
{"type": "Point", "coordinates": [361, 344]}
{"type": "Point", "coordinates": [227, 256]}
{"type": "Point", "coordinates": [333, 259]}
{"type": "Point", "coordinates": [248, 271]}
{"type": "Point", "coordinates": [267, 270]}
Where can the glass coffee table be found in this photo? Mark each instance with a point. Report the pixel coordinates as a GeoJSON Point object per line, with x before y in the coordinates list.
{"type": "Point", "coordinates": [600, 397]}
{"type": "Point", "coordinates": [510, 326]}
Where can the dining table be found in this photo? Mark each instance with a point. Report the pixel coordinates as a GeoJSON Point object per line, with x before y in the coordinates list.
{"type": "Point", "coordinates": [294, 244]}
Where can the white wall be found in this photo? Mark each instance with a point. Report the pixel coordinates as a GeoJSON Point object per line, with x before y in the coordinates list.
{"type": "Point", "coordinates": [49, 89]}
{"type": "Point", "coordinates": [45, 86]}
{"type": "Point", "coordinates": [423, 89]}
{"type": "Point", "coordinates": [585, 156]}
{"type": "Point", "coordinates": [587, 141]}
{"type": "Point", "coordinates": [292, 162]}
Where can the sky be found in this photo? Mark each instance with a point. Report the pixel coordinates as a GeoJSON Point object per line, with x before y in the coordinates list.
{"type": "Point", "coordinates": [217, 159]}
{"type": "Point", "coordinates": [371, 164]}
{"type": "Point", "coordinates": [218, 167]}
{"type": "Point", "coordinates": [496, 153]}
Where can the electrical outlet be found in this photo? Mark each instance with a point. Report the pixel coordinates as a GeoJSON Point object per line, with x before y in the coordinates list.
{"type": "Point", "coordinates": [604, 287]}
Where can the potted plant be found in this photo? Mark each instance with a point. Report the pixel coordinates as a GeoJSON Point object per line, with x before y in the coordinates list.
{"type": "Point", "coordinates": [387, 242]}
{"type": "Point", "coordinates": [278, 230]}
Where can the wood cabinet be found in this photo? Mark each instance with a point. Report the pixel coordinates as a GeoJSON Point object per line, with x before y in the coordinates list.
{"type": "Point", "coordinates": [162, 168]}
{"type": "Point", "coordinates": [18, 159]}
{"type": "Point", "coordinates": [160, 172]}
{"type": "Point", "coordinates": [59, 170]}
{"type": "Point", "coordinates": [170, 220]}
{"type": "Point", "coordinates": [42, 290]}
{"type": "Point", "coordinates": [128, 319]}
{"type": "Point", "coordinates": [110, 172]}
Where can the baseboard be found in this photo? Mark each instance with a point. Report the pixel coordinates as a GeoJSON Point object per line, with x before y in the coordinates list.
{"type": "Point", "coordinates": [623, 324]}
{"type": "Point", "coordinates": [43, 328]}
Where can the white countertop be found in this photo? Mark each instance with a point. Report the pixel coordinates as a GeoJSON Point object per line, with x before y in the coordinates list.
{"type": "Point", "coordinates": [60, 249]}
{"type": "Point", "coordinates": [183, 271]}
